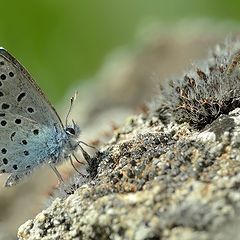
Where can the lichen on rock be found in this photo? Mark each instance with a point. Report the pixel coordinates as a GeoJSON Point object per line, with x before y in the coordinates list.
{"type": "Point", "coordinates": [209, 89]}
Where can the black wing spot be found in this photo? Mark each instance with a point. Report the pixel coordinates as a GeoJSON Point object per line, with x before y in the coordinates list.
{"type": "Point", "coordinates": [18, 121]}
{"type": "Point", "coordinates": [28, 166]}
{"type": "Point", "coordinates": [15, 167]}
{"type": "Point", "coordinates": [2, 114]}
{"type": "Point", "coordinates": [5, 161]}
{"type": "Point", "coordinates": [12, 135]}
{"type": "Point", "coordinates": [24, 142]}
{"type": "Point", "coordinates": [3, 123]}
{"type": "Point", "coordinates": [1, 94]}
{"type": "Point", "coordinates": [11, 74]}
{"type": "Point", "coordinates": [4, 150]}
{"type": "Point", "coordinates": [26, 153]}
{"type": "Point", "coordinates": [5, 106]}
{"type": "Point", "coordinates": [2, 63]}
{"type": "Point", "coordinates": [3, 76]}
{"type": "Point", "coordinates": [30, 109]}
{"type": "Point", "coordinates": [21, 96]}
{"type": "Point", "coordinates": [3, 170]}
{"type": "Point", "coordinates": [35, 131]}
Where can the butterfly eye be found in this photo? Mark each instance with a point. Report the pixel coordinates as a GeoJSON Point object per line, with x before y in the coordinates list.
{"type": "Point", "coordinates": [71, 131]}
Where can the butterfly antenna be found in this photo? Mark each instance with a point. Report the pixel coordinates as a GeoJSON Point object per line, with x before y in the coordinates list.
{"type": "Point", "coordinates": [70, 108]}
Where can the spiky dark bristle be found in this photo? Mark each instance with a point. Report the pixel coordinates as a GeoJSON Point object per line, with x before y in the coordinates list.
{"type": "Point", "coordinates": [207, 91]}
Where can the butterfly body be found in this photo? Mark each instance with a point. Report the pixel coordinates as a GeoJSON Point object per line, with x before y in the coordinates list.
{"type": "Point", "coordinates": [31, 132]}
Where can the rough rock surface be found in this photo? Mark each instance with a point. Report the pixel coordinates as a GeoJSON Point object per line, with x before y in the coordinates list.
{"type": "Point", "coordinates": [154, 180]}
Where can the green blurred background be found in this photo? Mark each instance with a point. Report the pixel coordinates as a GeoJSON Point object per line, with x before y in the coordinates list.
{"type": "Point", "coordinates": [62, 42]}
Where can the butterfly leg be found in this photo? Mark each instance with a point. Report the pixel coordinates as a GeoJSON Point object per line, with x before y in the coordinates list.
{"type": "Point", "coordinates": [85, 155]}
{"type": "Point", "coordinates": [77, 159]}
{"type": "Point", "coordinates": [88, 145]}
{"type": "Point", "coordinates": [74, 165]}
{"type": "Point", "coordinates": [60, 179]}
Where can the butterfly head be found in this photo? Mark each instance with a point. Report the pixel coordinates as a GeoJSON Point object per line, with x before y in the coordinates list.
{"type": "Point", "coordinates": [73, 130]}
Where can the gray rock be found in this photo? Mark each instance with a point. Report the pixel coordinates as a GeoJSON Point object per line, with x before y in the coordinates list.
{"type": "Point", "coordinates": [153, 181]}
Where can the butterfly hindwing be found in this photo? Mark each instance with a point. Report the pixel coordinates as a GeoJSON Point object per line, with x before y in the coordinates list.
{"type": "Point", "coordinates": [24, 144]}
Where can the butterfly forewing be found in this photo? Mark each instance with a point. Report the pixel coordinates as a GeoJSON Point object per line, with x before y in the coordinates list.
{"type": "Point", "coordinates": [29, 125]}
{"type": "Point", "coordinates": [19, 94]}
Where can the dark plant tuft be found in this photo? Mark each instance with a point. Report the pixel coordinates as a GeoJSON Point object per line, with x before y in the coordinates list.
{"type": "Point", "coordinates": [206, 91]}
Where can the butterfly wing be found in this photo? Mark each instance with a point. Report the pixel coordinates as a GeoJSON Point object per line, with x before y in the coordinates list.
{"type": "Point", "coordinates": [21, 94]}
{"type": "Point", "coordinates": [29, 126]}
{"type": "Point", "coordinates": [24, 143]}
